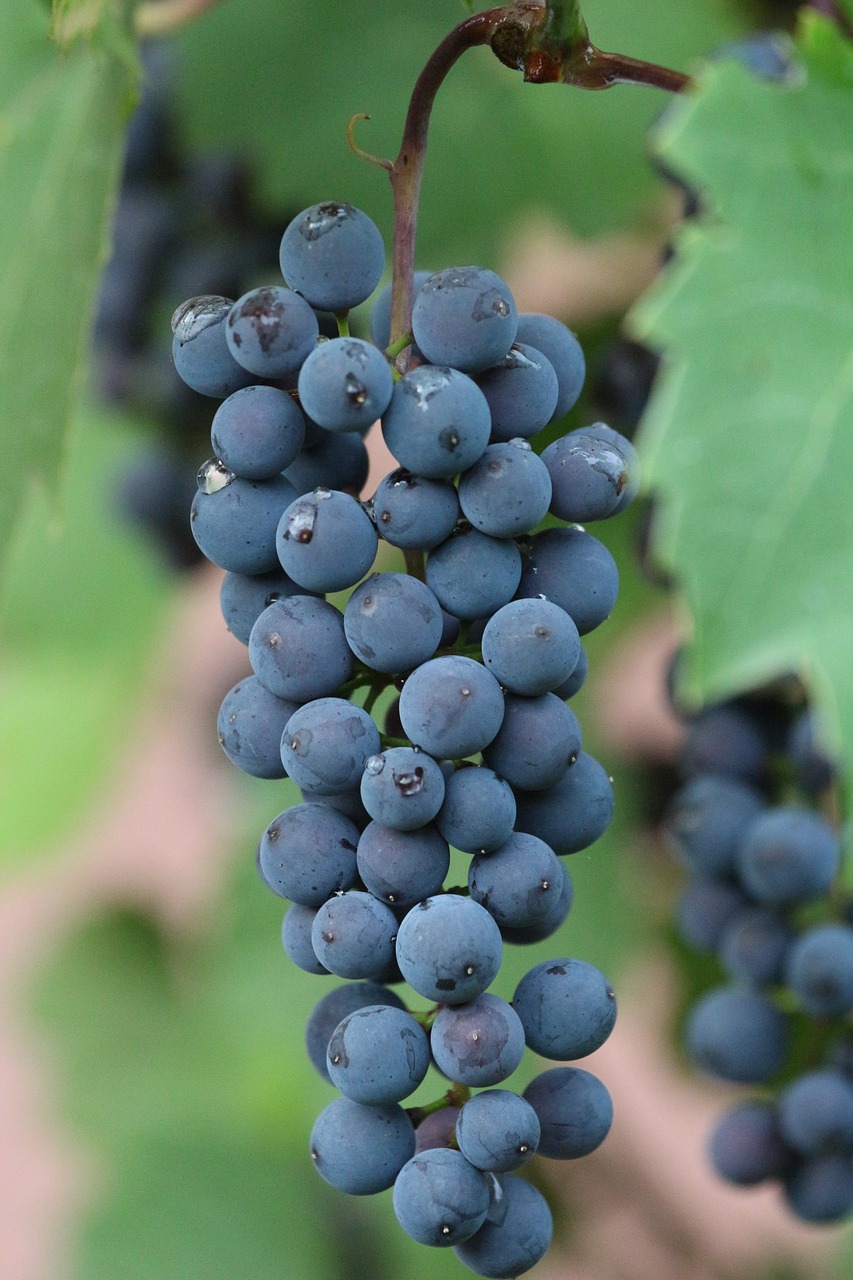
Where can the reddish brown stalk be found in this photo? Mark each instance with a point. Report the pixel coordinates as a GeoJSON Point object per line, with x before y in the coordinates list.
{"type": "Point", "coordinates": [519, 36]}
{"type": "Point", "coordinates": [407, 172]}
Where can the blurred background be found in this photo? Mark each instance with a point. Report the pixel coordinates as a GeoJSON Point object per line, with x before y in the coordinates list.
{"type": "Point", "coordinates": [155, 1097]}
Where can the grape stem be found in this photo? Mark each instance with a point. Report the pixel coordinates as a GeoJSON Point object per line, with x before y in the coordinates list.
{"type": "Point", "coordinates": [548, 43]}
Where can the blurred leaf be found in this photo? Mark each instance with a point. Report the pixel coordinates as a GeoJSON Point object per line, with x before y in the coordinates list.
{"type": "Point", "coordinates": [61, 121]}
{"type": "Point", "coordinates": [288, 77]}
{"type": "Point", "coordinates": [749, 437]}
{"type": "Point", "coordinates": [80, 614]}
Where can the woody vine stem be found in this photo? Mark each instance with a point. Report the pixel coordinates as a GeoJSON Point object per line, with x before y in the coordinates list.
{"type": "Point", "coordinates": [549, 44]}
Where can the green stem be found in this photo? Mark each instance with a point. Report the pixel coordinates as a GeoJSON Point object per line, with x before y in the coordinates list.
{"type": "Point", "coordinates": [342, 318]}
{"type": "Point", "coordinates": [370, 700]}
{"type": "Point", "coordinates": [457, 1095]}
{"type": "Point", "coordinates": [415, 567]}
{"type": "Point", "coordinates": [395, 348]}
{"type": "Point", "coordinates": [564, 22]}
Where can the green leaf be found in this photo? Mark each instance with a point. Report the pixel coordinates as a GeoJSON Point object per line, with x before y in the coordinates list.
{"type": "Point", "coordinates": [80, 614]}
{"type": "Point", "coordinates": [61, 125]}
{"type": "Point", "coordinates": [749, 438]}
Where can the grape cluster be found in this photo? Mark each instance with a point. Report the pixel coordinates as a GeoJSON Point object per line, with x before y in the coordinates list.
{"type": "Point", "coordinates": [761, 897]}
{"type": "Point", "coordinates": [481, 636]}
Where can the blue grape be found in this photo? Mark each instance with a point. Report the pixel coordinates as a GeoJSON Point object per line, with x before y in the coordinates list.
{"type": "Point", "coordinates": [325, 744]}
{"type": "Point", "coordinates": [437, 423]}
{"type": "Point", "coordinates": [472, 574]}
{"type": "Point", "coordinates": [815, 1113]}
{"type": "Point", "coordinates": [378, 1055]}
{"type": "Point", "coordinates": [507, 491]}
{"type": "Point", "coordinates": [270, 331]}
{"type": "Point", "coordinates": [333, 255]}
{"type": "Point", "coordinates": [438, 1129]}
{"type": "Point", "coordinates": [567, 1008]}
{"type": "Point", "coordinates": [250, 724]}
{"type": "Point", "coordinates": [821, 1190]}
{"type": "Point", "coordinates": [575, 571]}
{"type": "Point", "coordinates": [353, 935]}
{"type": "Point", "coordinates": [479, 1043]}
{"type": "Point", "coordinates": [707, 821]}
{"type": "Point", "coordinates": [234, 521]}
{"type": "Point", "coordinates": [574, 1109]}
{"type": "Point", "coordinates": [360, 1150]}
{"type": "Point", "coordinates": [737, 1035]}
{"type": "Point", "coordinates": [522, 393]}
{"type": "Point", "coordinates": [345, 384]}
{"type": "Point", "coordinates": [243, 598]}
{"type": "Point", "coordinates": [402, 867]}
{"type": "Point", "coordinates": [768, 54]}
{"type": "Point", "coordinates": [326, 541]}
{"type": "Point", "coordinates": [704, 910]}
{"type": "Point", "coordinates": [588, 477]}
{"type": "Point", "coordinates": [451, 707]}
{"type": "Point", "coordinates": [517, 883]}
{"type": "Point", "coordinates": [333, 1008]}
{"type": "Point", "coordinates": [531, 646]}
{"type": "Point", "coordinates": [380, 316]}
{"type": "Point", "coordinates": [393, 622]}
{"type": "Point", "coordinates": [296, 938]}
{"type": "Point", "coordinates": [200, 351]}
{"type": "Point", "coordinates": [335, 461]}
{"type": "Point", "coordinates": [754, 947]}
{"type": "Point", "coordinates": [506, 1249]}
{"type": "Point", "coordinates": [549, 923]}
{"type": "Point", "coordinates": [497, 1131]}
{"type": "Point", "coordinates": [308, 853]}
{"type": "Point", "coordinates": [813, 768]}
{"type": "Point", "coordinates": [576, 680]}
{"type": "Point", "coordinates": [600, 431]}
{"type": "Point", "coordinates": [464, 317]}
{"type": "Point", "coordinates": [412, 511]}
{"type": "Point", "coordinates": [298, 649]}
{"type": "Point", "coordinates": [572, 814]}
{"type": "Point", "coordinates": [346, 802]}
{"type": "Point", "coordinates": [788, 856]}
{"type": "Point", "coordinates": [439, 1198]}
{"type": "Point", "coordinates": [478, 812]}
{"type": "Point", "coordinates": [402, 788]}
{"type": "Point", "coordinates": [746, 1148]}
{"type": "Point", "coordinates": [725, 739]}
{"type": "Point", "coordinates": [565, 353]}
{"type": "Point", "coordinates": [537, 743]}
{"type": "Point", "coordinates": [449, 949]}
{"type": "Point", "coordinates": [819, 970]}
{"type": "Point", "coordinates": [257, 432]}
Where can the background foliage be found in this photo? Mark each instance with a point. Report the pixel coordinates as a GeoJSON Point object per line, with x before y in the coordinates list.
{"type": "Point", "coordinates": [180, 1056]}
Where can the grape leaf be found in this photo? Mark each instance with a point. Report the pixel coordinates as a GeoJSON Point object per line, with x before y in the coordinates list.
{"type": "Point", "coordinates": [61, 122]}
{"type": "Point", "coordinates": [748, 440]}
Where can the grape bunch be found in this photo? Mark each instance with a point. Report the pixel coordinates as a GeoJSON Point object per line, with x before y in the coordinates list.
{"type": "Point", "coordinates": [761, 896]}
{"type": "Point", "coordinates": [478, 628]}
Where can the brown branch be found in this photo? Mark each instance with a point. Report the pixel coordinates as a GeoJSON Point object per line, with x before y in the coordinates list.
{"type": "Point", "coordinates": [520, 36]}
